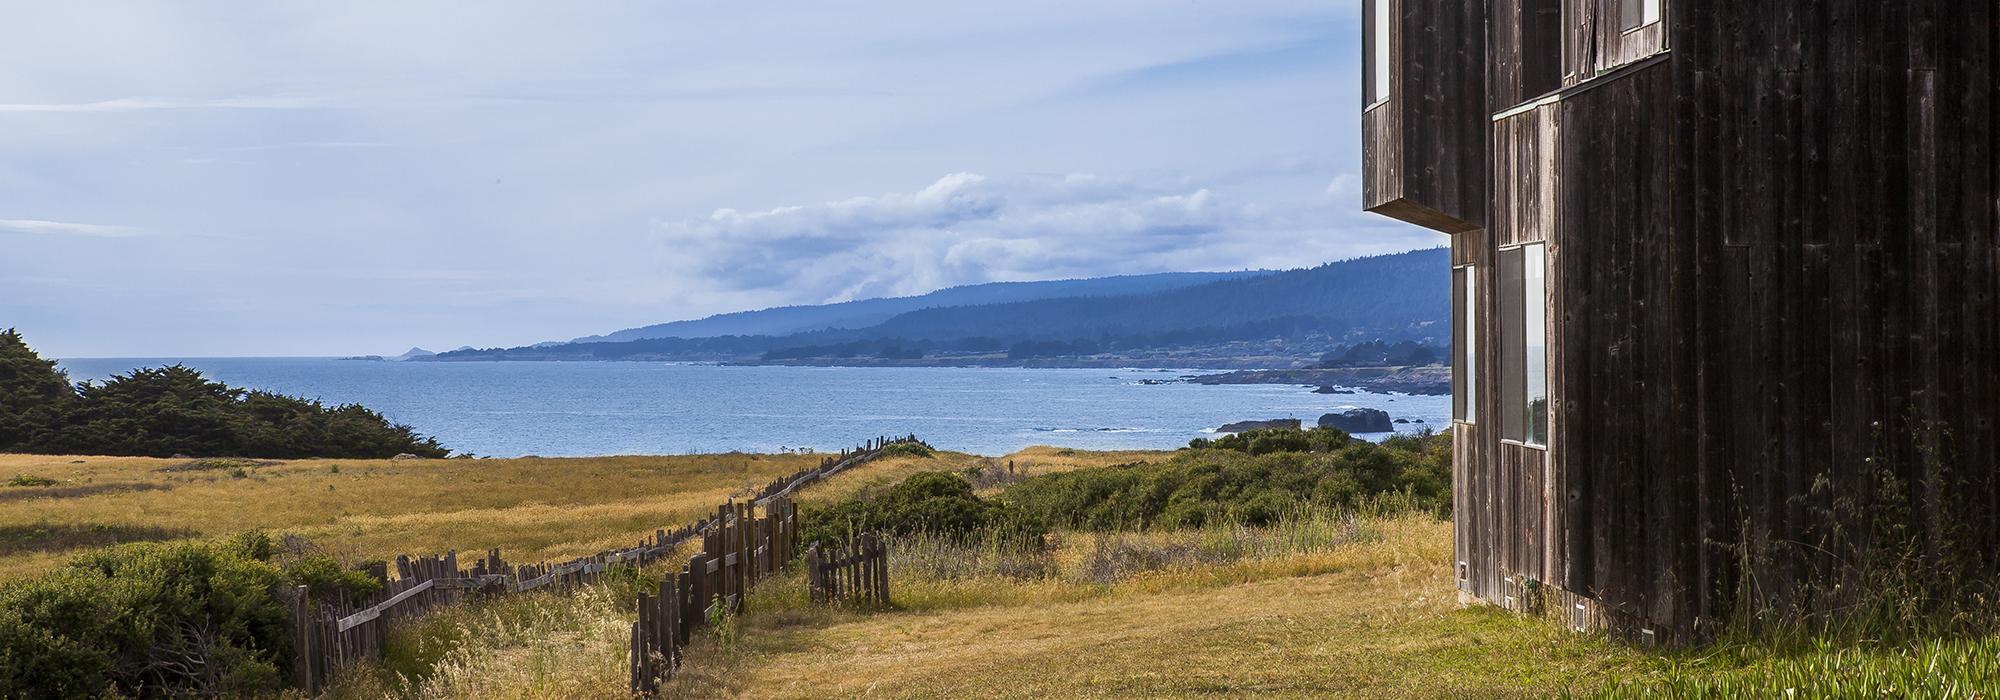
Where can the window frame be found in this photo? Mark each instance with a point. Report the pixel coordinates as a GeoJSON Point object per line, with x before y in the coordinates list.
{"type": "Point", "coordinates": [1632, 14]}
{"type": "Point", "coordinates": [1465, 344]}
{"type": "Point", "coordinates": [1518, 419]}
{"type": "Point", "coordinates": [1378, 30]}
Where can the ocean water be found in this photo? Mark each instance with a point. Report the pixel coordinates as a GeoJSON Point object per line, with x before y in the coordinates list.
{"type": "Point", "coordinates": [509, 409]}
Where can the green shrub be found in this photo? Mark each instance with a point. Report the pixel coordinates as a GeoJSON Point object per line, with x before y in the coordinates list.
{"type": "Point", "coordinates": [1253, 478]}
{"type": "Point", "coordinates": [935, 503]}
{"type": "Point", "coordinates": [909, 449]}
{"type": "Point", "coordinates": [31, 480]}
{"type": "Point", "coordinates": [152, 619]}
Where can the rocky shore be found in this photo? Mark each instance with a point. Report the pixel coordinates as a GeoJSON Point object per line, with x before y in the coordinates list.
{"type": "Point", "coordinates": [1428, 380]}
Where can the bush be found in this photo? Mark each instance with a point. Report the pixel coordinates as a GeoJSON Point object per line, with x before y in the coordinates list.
{"type": "Point", "coordinates": [909, 449]}
{"type": "Point", "coordinates": [1254, 478]}
{"type": "Point", "coordinates": [933, 503]}
{"type": "Point", "coordinates": [158, 619]}
{"type": "Point", "coordinates": [31, 480]}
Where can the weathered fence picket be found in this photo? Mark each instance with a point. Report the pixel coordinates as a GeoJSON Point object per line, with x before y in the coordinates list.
{"type": "Point", "coordinates": [857, 572]}
{"type": "Point", "coordinates": [715, 580]}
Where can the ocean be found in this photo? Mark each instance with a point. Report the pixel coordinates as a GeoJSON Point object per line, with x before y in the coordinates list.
{"type": "Point", "coordinates": [511, 409]}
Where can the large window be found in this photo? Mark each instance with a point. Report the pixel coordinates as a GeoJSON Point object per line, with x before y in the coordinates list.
{"type": "Point", "coordinates": [1639, 13]}
{"type": "Point", "coordinates": [1464, 345]}
{"type": "Point", "coordinates": [1375, 51]}
{"type": "Point", "coordinates": [1524, 332]}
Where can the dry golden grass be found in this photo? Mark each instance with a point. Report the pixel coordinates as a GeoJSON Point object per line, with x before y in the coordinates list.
{"type": "Point", "coordinates": [1377, 618]}
{"type": "Point", "coordinates": [532, 508]}
{"type": "Point", "coordinates": [1043, 459]}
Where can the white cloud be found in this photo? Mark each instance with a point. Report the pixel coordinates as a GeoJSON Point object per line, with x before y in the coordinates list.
{"type": "Point", "coordinates": [964, 228]}
{"type": "Point", "coordinates": [1344, 185]}
{"type": "Point", "coordinates": [138, 104]}
{"type": "Point", "coordinates": [60, 228]}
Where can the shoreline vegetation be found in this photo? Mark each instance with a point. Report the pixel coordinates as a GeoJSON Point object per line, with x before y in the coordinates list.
{"type": "Point", "coordinates": [174, 411]}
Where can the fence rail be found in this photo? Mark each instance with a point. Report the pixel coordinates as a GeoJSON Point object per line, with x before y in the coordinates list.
{"type": "Point", "coordinates": [331, 634]}
{"type": "Point", "coordinates": [858, 572]}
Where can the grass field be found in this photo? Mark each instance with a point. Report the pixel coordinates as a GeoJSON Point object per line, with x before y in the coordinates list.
{"type": "Point", "coordinates": [1321, 604]}
{"type": "Point", "coordinates": [1370, 614]}
{"type": "Point", "coordinates": [533, 509]}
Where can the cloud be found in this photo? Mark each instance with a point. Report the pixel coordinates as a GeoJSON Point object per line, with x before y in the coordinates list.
{"type": "Point", "coordinates": [139, 104]}
{"type": "Point", "coordinates": [59, 228]}
{"type": "Point", "coordinates": [964, 228]}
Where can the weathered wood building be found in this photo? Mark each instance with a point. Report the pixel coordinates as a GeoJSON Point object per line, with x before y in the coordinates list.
{"type": "Point", "coordinates": [1725, 286]}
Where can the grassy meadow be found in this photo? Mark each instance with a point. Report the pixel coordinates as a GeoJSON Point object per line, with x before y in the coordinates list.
{"type": "Point", "coordinates": [533, 509]}
{"type": "Point", "coordinates": [1349, 602]}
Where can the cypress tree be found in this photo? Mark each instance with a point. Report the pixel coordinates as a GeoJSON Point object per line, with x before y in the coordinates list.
{"type": "Point", "coordinates": [34, 395]}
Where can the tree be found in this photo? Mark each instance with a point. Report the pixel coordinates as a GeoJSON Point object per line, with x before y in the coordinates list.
{"type": "Point", "coordinates": [34, 395]}
{"type": "Point", "coordinates": [166, 411]}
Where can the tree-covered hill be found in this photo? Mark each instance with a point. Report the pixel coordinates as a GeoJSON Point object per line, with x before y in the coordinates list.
{"type": "Point", "coordinates": [862, 313]}
{"type": "Point", "coordinates": [1295, 313]}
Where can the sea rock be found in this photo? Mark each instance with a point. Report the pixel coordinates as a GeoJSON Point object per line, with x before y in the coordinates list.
{"type": "Point", "coordinates": [1249, 425]}
{"type": "Point", "coordinates": [1402, 421]}
{"type": "Point", "coordinates": [1333, 390]}
{"type": "Point", "coordinates": [1358, 420]}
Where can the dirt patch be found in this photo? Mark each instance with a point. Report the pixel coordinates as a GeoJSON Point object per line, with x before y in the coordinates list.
{"type": "Point", "coordinates": [214, 463]}
{"type": "Point", "coordinates": [51, 537]}
{"type": "Point", "coordinates": [78, 491]}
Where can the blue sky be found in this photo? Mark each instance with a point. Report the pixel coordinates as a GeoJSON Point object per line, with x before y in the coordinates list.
{"type": "Point", "coordinates": [310, 178]}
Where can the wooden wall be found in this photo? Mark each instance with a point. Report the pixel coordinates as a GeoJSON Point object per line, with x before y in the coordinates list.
{"type": "Point", "coordinates": [1524, 51]}
{"type": "Point", "coordinates": [1596, 40]}
{"type": "Point", "coordinates": [1424, 150]}
{"type": "Point", "coordinates": [1777, 274]}
{"type": "Point", "coordinates": [1774, 242]}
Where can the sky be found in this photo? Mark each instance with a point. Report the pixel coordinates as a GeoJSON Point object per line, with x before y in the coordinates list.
{"type": "Point", "coordinates": [203, 178]}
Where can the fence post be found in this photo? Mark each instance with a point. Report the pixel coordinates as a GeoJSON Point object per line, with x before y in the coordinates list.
{"type": "Point", "coordinates": [812, 574]}
{"type": "Point", "coordinates": [882, 565]}
{"type": "Point", "coordinates": [684, 618]}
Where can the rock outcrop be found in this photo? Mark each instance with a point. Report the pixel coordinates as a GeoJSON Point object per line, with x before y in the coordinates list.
{"type": "Point", "coordinates": [1357, 420]}
{"type": "Point", "coordinates": [1249, 425]}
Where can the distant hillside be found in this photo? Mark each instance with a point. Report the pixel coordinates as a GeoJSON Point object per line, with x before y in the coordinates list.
{"type": "Point", "coordinates": [1391, 295]}
{"type": "Point", "coordinates": [788, 320]}
{"type": "Point", "coordinates": [1280, 319]}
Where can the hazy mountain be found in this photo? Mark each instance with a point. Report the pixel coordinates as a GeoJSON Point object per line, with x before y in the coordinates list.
{"type": "Point", "coordinates": [787, 320]}
{"type": "Point", "coordinates": [1260, 319]}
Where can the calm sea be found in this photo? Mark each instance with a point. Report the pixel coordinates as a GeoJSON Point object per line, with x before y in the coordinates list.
{"type": "Point", "coordinates": [511, 409]}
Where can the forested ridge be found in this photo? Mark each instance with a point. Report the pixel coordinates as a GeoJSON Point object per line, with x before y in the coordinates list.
{"type": "Point", "coordinates": [1398, 297]}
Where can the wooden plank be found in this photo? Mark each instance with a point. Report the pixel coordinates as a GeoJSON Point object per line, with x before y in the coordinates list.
{"type": "Point", "coordinates": [375, 611]}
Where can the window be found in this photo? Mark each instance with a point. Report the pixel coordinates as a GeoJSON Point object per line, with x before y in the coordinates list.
{"type": "Point", "coordinates": [1524, 332]}
{"type": "Point", "coordinates": [1464, 346]}
{"type": "Point", "coordinates": [1639, 13]}
{"type": "Point", "coordinates": [1375, 50]}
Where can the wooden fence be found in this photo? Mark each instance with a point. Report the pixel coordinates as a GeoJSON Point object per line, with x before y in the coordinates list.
{"type": "Point", "coordinates": [331, 634]}
{"type": "Point", "coordinates": [858, 572]}
{"type": "Point", "coordinates": [739, 551]}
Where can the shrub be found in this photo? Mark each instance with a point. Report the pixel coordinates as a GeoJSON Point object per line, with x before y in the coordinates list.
{"type": "Point", "coordinates": [934, 503]}
{"type": "Point", "coordinates": [1254, 478]}
{"type": "Point", "coordinates": [156, 619]}
{"type": "Point", "coordinates": [909, 449]}
{"type": "Point", "coordinates": [31, 480]}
